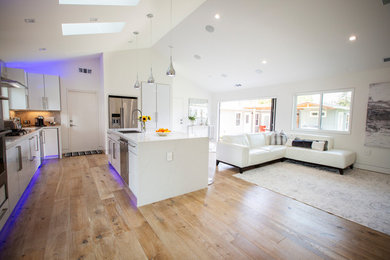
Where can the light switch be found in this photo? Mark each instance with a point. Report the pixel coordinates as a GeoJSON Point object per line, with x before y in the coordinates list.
{"type": "Point", "coordinates": [169, 156]}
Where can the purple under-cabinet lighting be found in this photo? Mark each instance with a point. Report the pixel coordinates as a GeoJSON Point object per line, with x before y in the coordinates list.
{"type": "Point", "coordinates": [9, 225]}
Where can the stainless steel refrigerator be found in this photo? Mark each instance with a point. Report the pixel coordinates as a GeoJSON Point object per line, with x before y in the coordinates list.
{"type": "Point", "coordinates": [121, 112]}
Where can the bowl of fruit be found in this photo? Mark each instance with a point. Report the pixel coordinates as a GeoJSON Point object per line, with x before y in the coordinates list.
{"type": "Point", "coordinates": [163, 131]}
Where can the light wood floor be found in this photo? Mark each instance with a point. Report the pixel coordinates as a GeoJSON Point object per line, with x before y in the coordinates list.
{"type": "Point", "coordinates": [79, 209]}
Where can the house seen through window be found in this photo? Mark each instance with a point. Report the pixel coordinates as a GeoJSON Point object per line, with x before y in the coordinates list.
{"type": "Point", "coordinates": [334, 107]}
{"type": "Point", "coordinates": [246, 116]}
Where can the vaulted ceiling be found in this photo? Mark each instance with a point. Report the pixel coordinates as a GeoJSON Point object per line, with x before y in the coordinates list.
{"type": "Point", "coordinates": [21, 41]}
{"type": "Point", "coordinates": [299, 39]}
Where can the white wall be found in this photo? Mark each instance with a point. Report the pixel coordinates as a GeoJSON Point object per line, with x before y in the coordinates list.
{"type": "Point", "coordinates": [371, 158]}
{"type": "Point", "coordinates": [120, 70]}
{"type": "Point", "coordinates": [71, 78]}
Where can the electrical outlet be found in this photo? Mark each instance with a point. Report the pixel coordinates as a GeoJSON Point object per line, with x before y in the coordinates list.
{"type": "Point", "coordinates": [169, 156]}
{"type": "Point", "coordinates": [367, 152]}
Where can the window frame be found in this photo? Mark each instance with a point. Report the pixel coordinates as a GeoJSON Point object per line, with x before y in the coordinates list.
{"type": "Point", "coordinates": [240, 117]}
{"type": "Point", "coordinates": [321, 93]}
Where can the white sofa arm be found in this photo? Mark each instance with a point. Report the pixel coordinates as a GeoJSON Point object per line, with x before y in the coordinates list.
{"type": "Point", "coordinates": [234, 154]}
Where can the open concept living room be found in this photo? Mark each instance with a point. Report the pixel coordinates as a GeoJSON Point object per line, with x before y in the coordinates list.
{"type": "Point", "coordinates": [194, 129]}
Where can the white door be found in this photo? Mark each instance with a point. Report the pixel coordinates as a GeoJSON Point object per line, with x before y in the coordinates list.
{"type": "Point", "coordinates": [149, 104]}
{"type": "Point", "coordinates": [36, 91]}
{"type": "Point", "coordinates": [52, 92]}
{"type": "Point", "coordinates": [83, 121]}
{"type": "Point", "coordinates": [179, 117]}
{"type": "Point", "coordinates": [163, 106]}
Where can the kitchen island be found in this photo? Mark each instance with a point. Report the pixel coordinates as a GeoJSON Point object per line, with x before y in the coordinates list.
{"type": "Point", "coordinates": [159, 167]}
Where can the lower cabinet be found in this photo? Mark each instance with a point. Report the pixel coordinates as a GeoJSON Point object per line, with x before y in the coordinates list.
{"type": "Point", "coordinates": [114, 153]}
{"type": "Point", "coordinates": [51, 142]}
{"type": "Point", "coordinates": [23, 161]}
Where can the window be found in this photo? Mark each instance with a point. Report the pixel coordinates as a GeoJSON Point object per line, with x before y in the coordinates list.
{"type": "Point", "coordinates": [246, 116]}
{"type": "Point", "coordinates": [238, 119]}
{"type": "Point", "coordinates": [334, 107]}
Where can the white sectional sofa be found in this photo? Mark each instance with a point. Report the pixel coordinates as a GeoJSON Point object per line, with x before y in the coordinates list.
{"type": "Point", "coordinates": [248, 150]}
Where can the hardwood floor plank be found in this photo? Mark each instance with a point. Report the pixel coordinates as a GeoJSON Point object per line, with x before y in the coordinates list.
{"type": "Point", "coordinates": [78, 208]}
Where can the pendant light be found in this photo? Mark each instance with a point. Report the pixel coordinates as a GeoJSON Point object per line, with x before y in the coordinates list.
{"type": "Point", "coordinates": [136, 85]}
{"type": "Point", "coordinates": [151, 78]}
{"type": "Point", "coordinates": [171, 71]}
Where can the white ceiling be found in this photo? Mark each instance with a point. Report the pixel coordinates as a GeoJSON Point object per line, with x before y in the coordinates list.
{"type": "Point", "coordinates": [20, 41]}
{"type": "Point", "coordinates": [300, 39]}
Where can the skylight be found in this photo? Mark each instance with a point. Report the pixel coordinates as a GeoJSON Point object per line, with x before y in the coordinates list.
{"type": "Point", "coordinates": [99, 2]}
{"type": "Point", "coordinates": [91, 28]}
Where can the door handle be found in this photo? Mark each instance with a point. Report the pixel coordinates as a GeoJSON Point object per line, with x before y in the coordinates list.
{"type": "Point", "coordinates": [113, 151]}
{"type": "Point", "coordinates": [71, 125]}
{"type": "Point", "coordinates": [3, 211]}
{"type": "Point", "coordinates": [37, 143]}
{"type": "Point", "coordinates": [20, 158]}
{"type": "Point", "coordinates": [31, 154]}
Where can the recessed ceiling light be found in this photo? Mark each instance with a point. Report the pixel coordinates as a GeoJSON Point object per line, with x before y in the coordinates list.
{"type": "Point", "coordinates": [223, 75]}
{"type": "Point", "coordinates": [352, 38]}
{"type": "Point", "coordinates": [196, 56]}
{"type": "Point", "coordinates": [238, 85]}
{"type": "Point", "coordinates": [42, 49]}
{"type": "Point", "coordinates": [258, 71]}
{"type": "Point", "coordinates": [99, 2]}
{"type": "Point", "coordinates": [217, 16]}
{"type": "Point", "coordinates": [209, 28]}
{"type": "Point", "coordinates": [29, 20]}
{"type": "Point", "coordinates": [91, 28]}
{"type": "Point", "coordinates": [264, 61]}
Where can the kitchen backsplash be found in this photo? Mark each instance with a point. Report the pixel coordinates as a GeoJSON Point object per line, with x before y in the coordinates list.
{"type": "Point", "coordinates": [31, 115]}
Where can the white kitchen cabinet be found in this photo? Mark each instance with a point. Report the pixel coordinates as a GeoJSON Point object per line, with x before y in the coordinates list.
{"type": "Point", "coordinates": [13, 177]}
{"type": "Point", "coordinates": [52, 93]}
{"type": "Point", "coordinates": [51, 142]}
{"type": "Point", "coordinates": [43, 92]}
{"type": "Point", "coordinates": [163, 100]}
{"type": "Point", "coordinates": [156, 100]}
{"type": "Point", "coordinates": [36, 91]}
{"type": "Point", "coordinates": [23, 161]}
{"type": "Point", "coordinates": [17, 96]}
{"type": "Point", "coordinates": [116, 156]}
{"type": "Point", "coordinates": [133, 163]}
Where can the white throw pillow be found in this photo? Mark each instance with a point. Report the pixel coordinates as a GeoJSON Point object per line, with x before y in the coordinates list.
{"type": "Point", "coordinates": [273, 139]}
{"type": "Point", "coordinates": [289, 141]}
{"type": "Point", "coordinates": [318, 145]}
{"type": "Point", "coordinates": [256, 140]}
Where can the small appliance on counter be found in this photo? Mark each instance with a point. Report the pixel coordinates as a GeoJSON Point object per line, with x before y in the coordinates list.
{"type": "Point", "coordinates": [39, 121]}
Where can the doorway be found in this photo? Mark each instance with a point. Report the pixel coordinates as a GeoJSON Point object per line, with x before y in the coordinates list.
{"type": "Point", "coordinates": [83, 120]}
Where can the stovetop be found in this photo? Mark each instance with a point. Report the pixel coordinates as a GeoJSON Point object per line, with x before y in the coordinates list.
{"type": "Point", "coordinates": [17, 132]}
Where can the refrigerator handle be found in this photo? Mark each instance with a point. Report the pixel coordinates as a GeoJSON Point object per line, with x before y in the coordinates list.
{"type": "Point", "coordinates": [122, 117]}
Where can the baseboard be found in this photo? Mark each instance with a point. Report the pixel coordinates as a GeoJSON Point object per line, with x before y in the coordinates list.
{"type": "Point", "coordinates": [372, 168]}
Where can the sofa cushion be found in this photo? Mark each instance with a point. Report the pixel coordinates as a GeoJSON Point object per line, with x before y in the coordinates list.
{"type": "Point", "coordinates": [256, 140]}
{"type": "Point", "coordinates": [319, 145]}
{"type": "Point", "coordinates": [258, 156]}
{"type": "Point", "coordinates": [235, 139]}
{"type": "Point", "coordinates": [314, 137]}
{"type": "Point", "coordinates": [334, 158]}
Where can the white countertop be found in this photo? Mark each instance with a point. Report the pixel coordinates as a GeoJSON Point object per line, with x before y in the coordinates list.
{"type": "Point", "coordinates": [151, 136]}
{"type": "Point", "coordinates": [11, 141]}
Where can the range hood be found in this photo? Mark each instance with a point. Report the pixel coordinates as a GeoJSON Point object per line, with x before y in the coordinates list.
{"type": "Point", "coordinates": [8, 83]}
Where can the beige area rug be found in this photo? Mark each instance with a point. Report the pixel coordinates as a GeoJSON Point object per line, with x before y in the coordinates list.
{"type": "Point", "coordinates": [358, 195]}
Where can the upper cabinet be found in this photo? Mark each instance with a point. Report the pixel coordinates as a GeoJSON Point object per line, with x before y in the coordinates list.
{"type": "Point", "coordinates": [36, 91]}
{"type": "Point", "coordinates": [17, 96]}
{"type": "Point", "coordinates": [52, 92]}
{"type": "Point", "coordinates": [156, 100]}
{"type": "Point", "coordinates": [43, 92]}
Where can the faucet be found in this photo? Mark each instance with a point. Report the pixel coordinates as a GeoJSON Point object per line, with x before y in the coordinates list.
{"type": "Point", "coordinates": [132, 115]}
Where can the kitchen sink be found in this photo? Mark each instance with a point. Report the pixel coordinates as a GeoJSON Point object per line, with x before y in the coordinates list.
{"type": "Point", "coordinates": [129, 132]}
